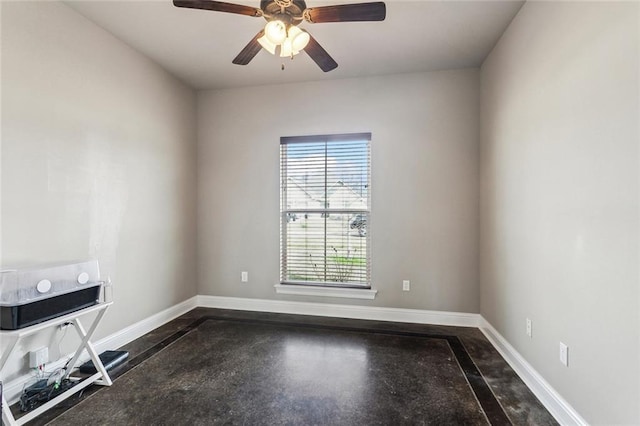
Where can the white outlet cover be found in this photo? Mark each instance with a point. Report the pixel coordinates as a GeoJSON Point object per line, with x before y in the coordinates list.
{"type": "Point", "coordinates": [38, 357]}
{"type": "Point", "coordinates": [564, 354]}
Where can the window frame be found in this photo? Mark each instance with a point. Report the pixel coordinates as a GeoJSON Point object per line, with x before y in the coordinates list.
{"type": "Point", "coordinates": [285, 212]}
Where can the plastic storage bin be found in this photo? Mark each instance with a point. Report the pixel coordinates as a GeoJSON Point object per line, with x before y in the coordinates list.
{"type": "Point", "coordinates": [32, 296]}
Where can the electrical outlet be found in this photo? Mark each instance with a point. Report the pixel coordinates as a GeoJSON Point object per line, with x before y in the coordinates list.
{"type": "Point", "coordinates": [38, 357]}
{"type": "Point", "coordinates": [406, 285]}
{"type": "Point", "coordinates": [528, 327]}
{"type": "Point", "coordinates": [564, 354]}
{"type": "Point", "coordinates": [245, 276]}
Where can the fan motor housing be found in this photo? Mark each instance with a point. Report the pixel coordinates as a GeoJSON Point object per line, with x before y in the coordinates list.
{"type": "Point", "coordinates": [293, 8]}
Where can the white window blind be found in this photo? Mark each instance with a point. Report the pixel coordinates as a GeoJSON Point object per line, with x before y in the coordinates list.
{"type": "Point", "coordinates": [325, 210]}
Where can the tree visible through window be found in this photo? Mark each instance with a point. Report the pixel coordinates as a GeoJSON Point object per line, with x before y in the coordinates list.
{"type": "Point", "coordinates": [325, 210]}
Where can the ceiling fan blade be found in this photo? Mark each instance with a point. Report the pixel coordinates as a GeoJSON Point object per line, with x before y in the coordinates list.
{"type": "Point", "coordinates": [250, 51]}
{"type": "Point", "coordinates": [218, 6]}
{"type": "Point", "coordinates": [375, 11]}
{"type": "Point", "coordinates": [320, 56]}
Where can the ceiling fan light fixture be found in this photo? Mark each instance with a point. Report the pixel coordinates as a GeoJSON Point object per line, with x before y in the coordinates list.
{"type": "Point", "coordinates": [286, 50]}
{"type": "Point", "coordinates": [299, 38]}
{"type": "Point", "coordinates": [275, 31]}
{"type": "Point", "coordinates": [283, 17]}
{"type": "Point", "coordinates": [267, 45]}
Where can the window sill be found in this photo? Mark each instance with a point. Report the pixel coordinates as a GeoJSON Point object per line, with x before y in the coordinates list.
{"type": "Point", "coordinates": [349, 293]}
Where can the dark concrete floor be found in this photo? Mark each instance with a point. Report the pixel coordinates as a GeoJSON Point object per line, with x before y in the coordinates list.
{"type": "Point", "coordinates": [213, 366]}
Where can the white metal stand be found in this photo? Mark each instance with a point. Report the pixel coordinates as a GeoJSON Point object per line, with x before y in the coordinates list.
{"type": "Point", "coordinates": [101, 377]}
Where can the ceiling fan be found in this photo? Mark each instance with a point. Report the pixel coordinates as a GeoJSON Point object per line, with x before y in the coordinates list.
{"type": "Point", "coordinates": [283, 18]}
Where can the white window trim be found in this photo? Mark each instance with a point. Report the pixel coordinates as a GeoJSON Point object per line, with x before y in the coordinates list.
{"type": "Point", "coordinates": [307, 290]}
{"type": "Point", "coordinates": [285, 287]}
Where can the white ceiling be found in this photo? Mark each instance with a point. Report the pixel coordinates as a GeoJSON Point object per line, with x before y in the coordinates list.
{"type": "Point", "coordinates": [197, 46]}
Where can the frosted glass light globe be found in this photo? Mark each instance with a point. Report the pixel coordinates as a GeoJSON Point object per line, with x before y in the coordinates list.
{"type": "Point", "coordinates": [299, 39]}
{"type": "Point", "coordinates": [275, 31]}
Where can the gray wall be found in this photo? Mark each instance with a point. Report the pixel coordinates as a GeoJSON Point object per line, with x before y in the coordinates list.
{"type": "Point", "coordinates": [98, 154]}
{"type": "Point", "coordinates": [560, 195]}
{"type": "Point", "coordinates": [424, 223]}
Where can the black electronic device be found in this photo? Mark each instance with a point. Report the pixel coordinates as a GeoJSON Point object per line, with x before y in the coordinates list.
{"type": "Point", "coordinates": [41, 391]}
{"type": "Point", "coordinates": [110, 360]}
{"type": "Point", "coordinates": [24, 315]}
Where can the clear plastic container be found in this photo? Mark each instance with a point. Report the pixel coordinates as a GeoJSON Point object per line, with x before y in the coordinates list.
{"type": "Point", "coordinates": [30, 296]}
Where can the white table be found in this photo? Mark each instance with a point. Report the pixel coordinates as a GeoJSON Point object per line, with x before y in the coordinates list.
{"type": "Point", "coordinates": [101, 377]}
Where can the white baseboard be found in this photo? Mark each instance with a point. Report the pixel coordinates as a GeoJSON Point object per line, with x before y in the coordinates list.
{"type": "Point", "coordinates": [13, 389]}
{"type": "Point", "coordinates": [139, 329]}
{"type": "Point", "coordinates": [342, 311]}
{"type": "Point", "coordinates": [559, 408]}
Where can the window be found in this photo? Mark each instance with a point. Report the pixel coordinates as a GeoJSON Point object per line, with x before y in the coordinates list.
{"type": "Point", "coordinates": [325, 210]}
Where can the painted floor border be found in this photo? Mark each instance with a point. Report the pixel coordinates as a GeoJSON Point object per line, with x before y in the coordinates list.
{"type": "Point", "coordinates": [559, 408]}
{"type": "Point", "coordinates": [563, 412]}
